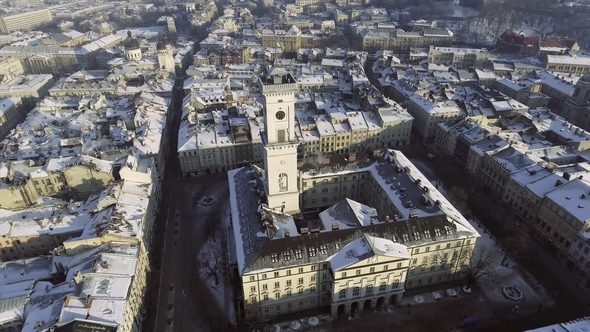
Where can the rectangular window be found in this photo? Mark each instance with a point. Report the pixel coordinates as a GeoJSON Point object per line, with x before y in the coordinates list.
{"type": "Point", "coordinates": [300, 270]}
{"type": "Point", "coordinates": [372, 270]}
{"type": "Point", "coordinates": [288, 293]}
{"type": "Point", "coordinates": [288, 272]}
{"type": "Point", "coordinates": [277, 284]}
{"type": "Point", "coordinates": [312, 251]}
{"type": "Point", "coordinates": [288, 283]}
{"type": "Point", "coordinates": [264, 287]}
{"type": "Point", "coordinates": [298, 254]}
{"type": "Point", "coordinates": [265, 297]}
{"type": "Point", "coordinates": [287, 255]}
{"type": "Point", "coordinates": [312, 289]}
{"type": "Point", "coordinates": [252, 289]}
{"type": "Point", "coordinates": [358, 272]}
{"type": "Point", "coordinates": [281, 136]}
{"type": "Point", "coordinates": [300, 281]}
{"type": "Point", "coordinates": [276, 274]}
{"type": "Point", "coordinates": [251, 278]}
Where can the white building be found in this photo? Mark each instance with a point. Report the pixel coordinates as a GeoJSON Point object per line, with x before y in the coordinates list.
{"type": "Point", "coordinates": [428, 113]}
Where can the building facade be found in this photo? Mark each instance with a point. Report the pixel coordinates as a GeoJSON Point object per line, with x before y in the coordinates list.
{"type": "Point", "coordinates": [24, 21]}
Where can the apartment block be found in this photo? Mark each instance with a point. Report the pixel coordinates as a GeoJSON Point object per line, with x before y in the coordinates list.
{"type": "Point", "coordinates": [427, 113]}
{"type": "Point", "coordinates": [567, 64]}
{"type": "Point", "coordinates": [458, 57]}
{"type": "Point", "coordinates": [24, 21]}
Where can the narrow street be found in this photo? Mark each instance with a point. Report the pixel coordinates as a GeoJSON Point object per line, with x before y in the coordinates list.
{"type": "Point", "coordinates": [180, 301]}
{"type": "Point", "coordinates": [571, 303]}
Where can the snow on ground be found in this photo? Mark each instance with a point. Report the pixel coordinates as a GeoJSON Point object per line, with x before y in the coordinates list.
{"type": "Point", "coordinates": [224, 294]}
{"type": "Point", "coordinates": [510, 273]}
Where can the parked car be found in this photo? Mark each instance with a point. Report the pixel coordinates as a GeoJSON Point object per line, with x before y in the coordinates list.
{"type": "Point", "coordinates": [468, 321]}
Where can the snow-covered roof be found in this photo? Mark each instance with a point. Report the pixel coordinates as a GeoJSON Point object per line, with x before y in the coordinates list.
{"type": "Point", "coordinates": [265, 239]}
{"type": "Point", "coordinates": [578, 325]}
{"type": "Point", "coordinates": [365, 247]}
{"type": "Point", "coordinates": [574, 198]}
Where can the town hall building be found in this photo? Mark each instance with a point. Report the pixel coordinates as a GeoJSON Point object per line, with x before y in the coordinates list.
{"type": "Point", "coordinates": [344, 240]}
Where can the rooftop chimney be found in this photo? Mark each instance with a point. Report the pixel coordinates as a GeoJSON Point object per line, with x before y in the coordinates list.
{"type": "Point", "coordinates": [315, 230]}
{"type": "Point", "coordinates": [335, 226]}
{"type": "Point", "coordinates": [287, 234]}
{"type": "Point", "coordinates": [304, 230]}
{"type": "Point", "coordinates": [88, 303]}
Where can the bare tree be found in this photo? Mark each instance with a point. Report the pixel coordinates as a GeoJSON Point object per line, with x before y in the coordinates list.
{"type": "Point", "coordinates": [515, 245]}
{"type": "Point", "coordinates": [208, 263]}
{"type": "Point", "coordinates": [481, 268]}
{"type": "Point", "coordinates": [213, 228]}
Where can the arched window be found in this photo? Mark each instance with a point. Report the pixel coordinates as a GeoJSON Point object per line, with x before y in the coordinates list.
{"type": "Point", "coordinates": [382, 287]}
{"type": "Point", "coordinates": [395, 284]}
{"type": "Point", "coordinates": [325, 190]}
{"type": "Point", "coordinates": [283, 182]}
{"type": "Point", "coordinates": [342, 294]}
{"type": "Point", "coordinates": [369, 289]}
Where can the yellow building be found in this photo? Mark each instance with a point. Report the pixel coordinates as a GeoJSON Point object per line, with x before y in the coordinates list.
{"type": "Point", "coordinates": [11, 67]}
{"type": "Point", "coordinates": [291, 40]}
{"type": "Point", "coordinates": [386, 229]}
{"type": "Point", "coordinates": [458, 57]}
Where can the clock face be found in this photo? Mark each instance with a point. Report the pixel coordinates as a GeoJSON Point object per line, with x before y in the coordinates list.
{"type": "Point", "coordinates": [280, 115]}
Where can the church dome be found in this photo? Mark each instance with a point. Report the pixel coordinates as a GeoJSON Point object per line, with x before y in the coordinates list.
{"type": "Point", "coordinates": [131, 43]}
{"type": "Point", "coordinates": [161, 45]}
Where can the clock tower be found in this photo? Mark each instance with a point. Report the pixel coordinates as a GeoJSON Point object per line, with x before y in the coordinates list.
{"type": "Point", "coordinates": [280, 143]}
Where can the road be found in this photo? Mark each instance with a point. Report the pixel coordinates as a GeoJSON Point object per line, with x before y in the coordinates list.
{"type": "Point", "coordinates": [571, 302]}
{"type": "Point", "coordinates": [180, 301]}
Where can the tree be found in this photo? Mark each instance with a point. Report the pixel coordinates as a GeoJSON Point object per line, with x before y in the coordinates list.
{"type": "Point", "coordinates": [482, 266]}
{"type": "Point", "coordinates": [208, 264]}
{"type": "Point", "coordinates": [213, 228]}
{"type": "Point", "coordinates": [515, 245]}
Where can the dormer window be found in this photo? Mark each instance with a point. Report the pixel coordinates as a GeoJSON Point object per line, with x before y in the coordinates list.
{"type": "Point", "coordinates": [312, 252]}
{"type": "Point", "coordinates": [427, 234]}
{"type": "Point", "coordinates": [448, 230]}
{"type": "Point", "coordinates": [298, 254]}
{"type": "Point", "coordinates": [406, 238]}
{"type": "Point", "coordinates": [437, 232]}
{"type": "Point", "coordinates": [274, 257]}
{"type": "Point", "coordinates": [287, 255]}
{"type": "Point", "coordinates": [323, 249]}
